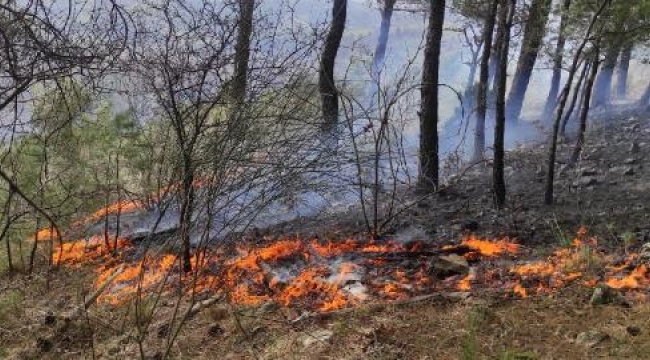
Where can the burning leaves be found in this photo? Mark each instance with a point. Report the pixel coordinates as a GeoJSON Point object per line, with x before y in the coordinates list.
{"type": "Point", "coordinates": [316, 274]}
{"type": "Point", "coordinates": [330, 275]}
{"type": "Point", "coordinates": [581, 261]}
{"type": "Point", "coordinates": [638, 278]}
{"type": "Point", "coordinates": [81, 251]}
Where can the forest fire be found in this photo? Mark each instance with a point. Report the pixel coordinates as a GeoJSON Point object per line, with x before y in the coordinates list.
{"type": "Point", "coordinates": [327, 275]}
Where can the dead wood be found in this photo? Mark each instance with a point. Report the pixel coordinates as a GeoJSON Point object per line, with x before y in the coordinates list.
{"type": "Point", "coordinates": [46, 343]}
{"type": "Point", "coordinates": [197, 307]}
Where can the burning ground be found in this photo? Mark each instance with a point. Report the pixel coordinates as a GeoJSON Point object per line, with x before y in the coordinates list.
{"type": "Point", "coordinates": [316, 275]}
{"type": "Point", "coordinates": [441, 292]}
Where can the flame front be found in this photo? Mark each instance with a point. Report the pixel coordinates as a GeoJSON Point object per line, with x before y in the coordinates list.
{"type": "Point", "coordinates": [330, 275]}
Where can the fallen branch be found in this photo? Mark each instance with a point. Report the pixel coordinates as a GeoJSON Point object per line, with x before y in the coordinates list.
{"type": "Point", "coordinates": [93, 297]}
{"type": "Point", "coordinates": [196, 308]}
{"type": "Point", "coordinates": [46, 343]}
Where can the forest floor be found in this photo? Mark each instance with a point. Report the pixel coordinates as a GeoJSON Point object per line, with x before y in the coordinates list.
{"type": "Point", "coordinates": [608, 192]}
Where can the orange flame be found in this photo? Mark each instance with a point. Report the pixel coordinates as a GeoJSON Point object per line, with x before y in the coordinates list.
{"type": "Point", "coordinates": [636, 279]}
{"type": "Point", "coordinates": [491, 248]}
{"type": "Point", "coordinates": [520, 290]}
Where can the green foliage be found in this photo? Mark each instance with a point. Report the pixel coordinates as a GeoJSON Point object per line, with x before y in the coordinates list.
{"type": "Point", "coordinates": [476, 318]}
{"type": "Point", "coordinates": [623, 22]}
{"type": "Point", "coordinates": [559, 234]}
{"type": "Point", "coordinates": [518, 355]}
{"type": "Point", "coordinates": [72, 153]}
{"type": "Point", "coordinates": [472, 9]}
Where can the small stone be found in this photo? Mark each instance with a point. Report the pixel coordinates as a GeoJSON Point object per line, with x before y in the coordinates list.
{"type": "Point", "coordinates": [162, 331]}
{"type": "Point", "coordinates": [633, 330]}
{"type": "Point", "coordinates": [585, 182]}
{"type": "Point", "coordinates": [591, 338]}
{"type": "Point", "coordinates": [319, 336]}
{"type": "Point", "coordinates": [49, 319]}
{"type": "Point", "coordinates": [629, 161]}
{"type": "Point", "coordinates": [628, 171]}
{"type": "Point", "coordinates": [268, 307]}
{"type": "Point", "coordinates": [602, 295]}
{"type": "Point", "coordinates": [216, 330]}
{"type": "Point", "coordinates": [44, 345]}
{"type": "Point", "coordinates": [588, 172]}
{"type": "Point", "coordinates": [634, 148]}
{"type": "Point", "coordinates": [357, 290]}
{"type": "Point", "coordinates": [450, 265]}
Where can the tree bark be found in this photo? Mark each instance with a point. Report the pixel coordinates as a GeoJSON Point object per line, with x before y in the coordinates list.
{"type": "Point", "coordinates": [5, 229]}
{"type": "Point", "coordinates": [623, 70]}
{"type": "Point", "coordinates": [506, 15]}
{"type": "Point", "coordinates": [584, 113]}
{"type": "Point", "coordinates": [185, 216]}
{"type": "Point", "coordinates": [326, 84]}
{"type": "Point", "coordinates": [481, 96]}
{"type": "Point", "coordinates": [428, 177]}
{"type": "Point", "coordinates": [603, 86]}
{"type": "Point", "coordinates": [558, 58]}
{"type": "Point", "coordinates": [533, 35]}
{"type": "Point", "coordinates": [242, 50]}
{"type": "Point", "coordinates": [550, 174]}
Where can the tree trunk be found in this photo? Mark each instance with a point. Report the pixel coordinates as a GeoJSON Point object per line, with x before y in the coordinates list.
{"type": "Point", "coordinates": [5, 229]}
{"type": "Point", "coordinates": [506, 15]}
{"type": "Point", "coordinates": [327, 87]}
{"type": "Point", "coordinates": [118, 189]}
{"type": "Point", "coordinates": [473, 67]}
{"type": "Point", "coordinates": [242, 50]}
{"type": "Point", "coordinates": [481, 96]}
{"type": "Point", "coordinates": [185, 216]}
{"type": "Point", "coordinates": [645, 98]}
{"type": "Point", "coordinates": [623, 70]}
{"type": "Point", "coordinates": [107, 203]}
{"type": "Point", "coordinates": [533, 35]}
{"type": "Point", "coordinates": [382, 41]}
{"type": "Point", "coordinates": [428, 177]}
{"type": "Point", "coordinates": [494, 61]}
{"type": "Point", "coordinates": [584, 113]}
{"type": "Point", "coordinates": [558, 58]}
{"type": "Point", "coordinates": [550, 174]}
{"type": "Point", "coordinates": [380, 51]}
{"type": "Point", "coordinates": [576, 92]}
{"type": "Point", "coordinates": [603, 86]}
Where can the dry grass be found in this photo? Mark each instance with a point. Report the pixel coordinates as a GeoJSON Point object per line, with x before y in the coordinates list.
{"type": "Point", "coordinates": [485, 327]}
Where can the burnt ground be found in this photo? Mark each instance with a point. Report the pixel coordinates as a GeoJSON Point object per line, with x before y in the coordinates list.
{"type": "Point", "coordinates": [607, 192]}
